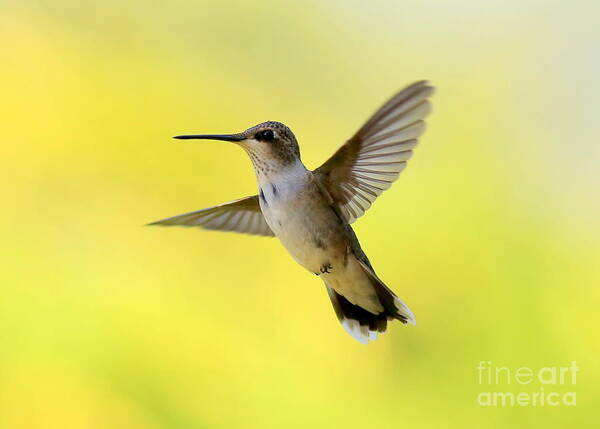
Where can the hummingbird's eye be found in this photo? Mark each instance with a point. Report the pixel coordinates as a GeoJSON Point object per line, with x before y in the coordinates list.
{"type": "Point", "coordinates": [266, 135]}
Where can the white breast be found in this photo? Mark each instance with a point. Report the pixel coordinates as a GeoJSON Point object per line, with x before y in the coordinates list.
{"type": "Point", "coordinates": [288, 216]}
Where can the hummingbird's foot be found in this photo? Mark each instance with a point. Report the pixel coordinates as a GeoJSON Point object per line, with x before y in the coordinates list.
{"type": "Point", "coordinates": [325, 268]}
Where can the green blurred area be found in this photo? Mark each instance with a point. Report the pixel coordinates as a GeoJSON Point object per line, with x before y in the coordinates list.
{"type": "Point", "coordinates": [492, 235]}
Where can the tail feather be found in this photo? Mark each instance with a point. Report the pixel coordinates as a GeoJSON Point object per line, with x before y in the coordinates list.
{"type": "Point", "coordinates": [392, 304]}
{"type": "Point", "coordinates": [360, 323]}
{"type": "Point", "coordinates": [363, 325]}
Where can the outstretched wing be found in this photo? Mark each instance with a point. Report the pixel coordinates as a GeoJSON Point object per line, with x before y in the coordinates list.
{"type": "Point", "coordinates": [243, 215]}
{"type": "Point", "coordinates": [374, 157]}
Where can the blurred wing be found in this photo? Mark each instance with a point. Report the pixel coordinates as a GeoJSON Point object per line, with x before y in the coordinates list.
{"type": "Point", "coordinates": [371, 160]}
{"type": "Point", "coordinates": [243, 215]}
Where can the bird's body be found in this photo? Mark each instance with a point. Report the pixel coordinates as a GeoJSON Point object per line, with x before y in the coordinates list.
{"type": "Point", "coordinates": [298, 210]}
{"type": "Point", "coordinates": [295, 210]}
{"type": "Point", "coordinates": [310, 212]}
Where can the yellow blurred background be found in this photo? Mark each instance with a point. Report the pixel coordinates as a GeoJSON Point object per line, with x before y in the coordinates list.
{"type": "Point", "coordinates": [492, 235]}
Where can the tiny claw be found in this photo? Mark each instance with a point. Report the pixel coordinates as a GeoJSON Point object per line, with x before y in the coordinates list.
{"type": "Point", "coordinates": [325, 268]}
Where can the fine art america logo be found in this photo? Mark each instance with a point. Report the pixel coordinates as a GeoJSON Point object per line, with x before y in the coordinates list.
{"type": "Point", "coordinates": [527, 387]}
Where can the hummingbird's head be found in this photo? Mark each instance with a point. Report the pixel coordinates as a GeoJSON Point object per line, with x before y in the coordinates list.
{"type": "Point", "coordinates": [271, 145]}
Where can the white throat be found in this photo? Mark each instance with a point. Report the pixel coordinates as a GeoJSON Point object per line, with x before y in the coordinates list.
{"type": "Point", "coordinates": [281, 174]}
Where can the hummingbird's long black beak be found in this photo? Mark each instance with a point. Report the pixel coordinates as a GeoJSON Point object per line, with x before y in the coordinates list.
{"type": "Point", "coordinates": [224, 137]}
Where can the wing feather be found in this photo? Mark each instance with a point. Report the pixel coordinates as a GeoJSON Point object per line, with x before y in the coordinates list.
{"type": "Point", "coordinates": [243, 215]}
{"type": "Point", "coordinates": [376, 155]}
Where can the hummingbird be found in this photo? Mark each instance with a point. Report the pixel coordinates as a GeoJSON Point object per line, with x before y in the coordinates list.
{"type": "Point", "coordinates": [311, 212]}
